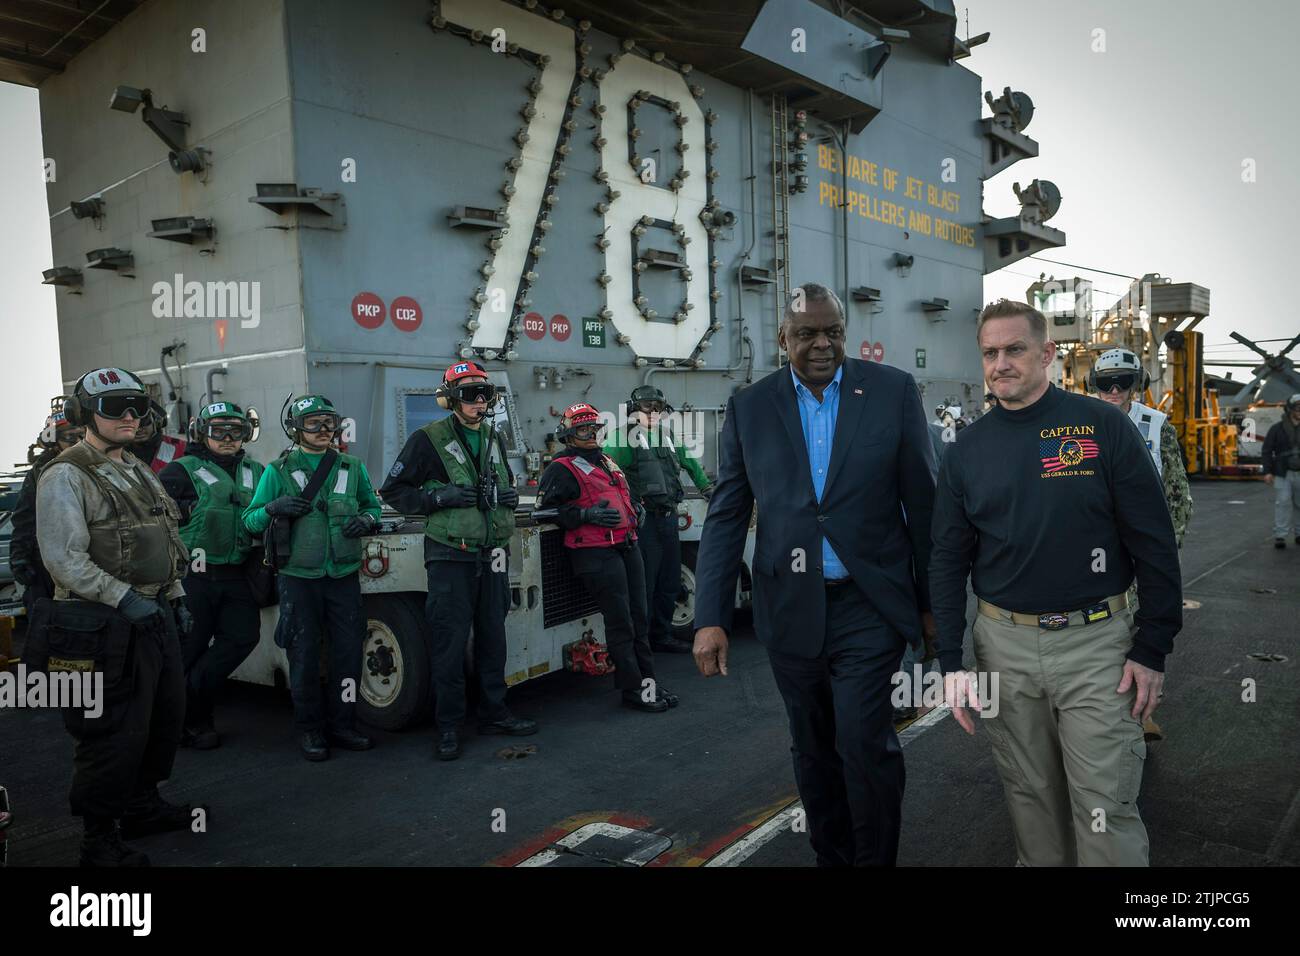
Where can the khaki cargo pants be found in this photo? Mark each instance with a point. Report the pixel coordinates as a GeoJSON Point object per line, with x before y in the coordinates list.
{"type": "Point", "coordinates": [1066, 746]}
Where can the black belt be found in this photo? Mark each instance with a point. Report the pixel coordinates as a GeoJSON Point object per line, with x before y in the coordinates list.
{"type": "Point", "coordinates": [836, 587]}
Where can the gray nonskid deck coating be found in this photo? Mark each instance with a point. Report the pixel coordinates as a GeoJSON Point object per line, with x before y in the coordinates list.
{"type": "Point", "coordinates": [1221, 789]}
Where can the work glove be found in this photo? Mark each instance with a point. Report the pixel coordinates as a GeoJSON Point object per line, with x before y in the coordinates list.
{"type": "Point", "coordinates": [707, 492]}
{"type": "Point", "coordinates": [507, 497]}
{"type": "Point", "coordinates": [358, 525]}
{"type": "Point", "coordinates": [288, 506]}
{"type": "Point", "coordinates": [640, 515]}
{"type": "Point", "coordinates": [23, 572]}
{"type": "Point", "coordinates": [139, 609]}
{"type": "Point", "coordinates": [454, 496]}
{"type": "Point", "coordinates": [184, 619]}
{"type": "Point", "coordinates": [601, 515]}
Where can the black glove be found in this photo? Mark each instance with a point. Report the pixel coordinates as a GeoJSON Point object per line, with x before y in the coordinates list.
{"type": "Point", "coordinates": [601, 515]}
{"type": "Point", "coordinates": [707, 492]}
{"type": "Point", "coordinates": [357, 526]}
{"type": "Point", "coordinates": [454, 496]}
{"type": "Point", "coordinates": [184, 619]}
{"type": "Point", "coordinates": [289, 506]}
{"type": "Point", "coordinates": [23, 572]}
{"type": "Point", "coordinates": [138, 608]}
{"type": "Point", "coordinates": [640, 515]}
{"type": "Point", "coordinates": [507, 497]}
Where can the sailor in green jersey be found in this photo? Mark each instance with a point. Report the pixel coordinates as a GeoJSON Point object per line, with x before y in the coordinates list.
{"type": "Point", "coordinates": [653, 460]}
{"type": "Point", "coordinates": [212, 484]}
{"type": "Point", "coordinates": [320, 590]}
{"type": "Point", "coordinates": [453, 471]}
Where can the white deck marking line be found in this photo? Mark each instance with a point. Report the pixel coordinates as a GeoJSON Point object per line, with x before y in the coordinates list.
{"type": "Point", "coordinates": [752, 842]}
{"type": "Point", "coordinates": [1213, 569]}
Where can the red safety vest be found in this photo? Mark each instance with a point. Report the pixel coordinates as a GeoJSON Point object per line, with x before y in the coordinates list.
{"type": "Point", "coordinates": [594, 486]}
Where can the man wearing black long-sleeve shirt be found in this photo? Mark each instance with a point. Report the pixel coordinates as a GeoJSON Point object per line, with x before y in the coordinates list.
{"type": "Point", "coordinates": [1051, 504]}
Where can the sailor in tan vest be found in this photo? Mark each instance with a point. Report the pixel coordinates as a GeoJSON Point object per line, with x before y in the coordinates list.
{"type": "Point", "coordinates": [108, 537]}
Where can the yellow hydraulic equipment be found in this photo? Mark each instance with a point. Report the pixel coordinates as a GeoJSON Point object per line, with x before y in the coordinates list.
{"type": "Point", "coordinates": [1209, 442]}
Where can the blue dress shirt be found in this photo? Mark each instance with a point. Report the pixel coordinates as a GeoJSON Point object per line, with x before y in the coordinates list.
{"type": "Point", "coordinates": [818, 420]}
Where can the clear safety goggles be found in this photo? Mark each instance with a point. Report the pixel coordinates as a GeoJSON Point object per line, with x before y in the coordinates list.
{"type": "Point", "coordinates": [319, 423]}
{"type": "Point", "coordinates": [228, 431]}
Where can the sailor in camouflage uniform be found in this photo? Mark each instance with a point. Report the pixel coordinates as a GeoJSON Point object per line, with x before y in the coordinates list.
{"type": "Point", "coordinates": [1117, 377]}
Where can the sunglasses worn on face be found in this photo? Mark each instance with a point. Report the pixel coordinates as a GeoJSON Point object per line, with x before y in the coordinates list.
{"type": "Point", "coordinates": [478, 392]}
{"type": "Point", "coordinates": [1125, 381]}
{"type": "Point", "coordinates": [116, 406]}
{"type": "Point", "coordinates": [328, 424]}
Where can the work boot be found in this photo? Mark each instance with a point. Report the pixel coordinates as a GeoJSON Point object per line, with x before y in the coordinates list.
{"type": "Point", "coordinates": [1280, 543]}
{"type": "Point", "coordinates": [150, 813]}
{"type": "Point", "coordinates": [350, 740]}
{"type": "Point", "coordinates": [1297, 539]}
{"type": "Point", "coordinates": [671, 645]}
{"type": "Point", "coordinates": [448, 746]}
{"type": "Point", "coordinates": [201, 735]}
{"type": "Point", "coordinates": [667, 696]}
{"type": "Point", "coordinates": [512, 725]}
{"type": "Point", "coordinates": [102, 845]}
{"type": "Point", "coordinates": [314, 746]}
{"type": "Point", "coordinates": [633, 699]}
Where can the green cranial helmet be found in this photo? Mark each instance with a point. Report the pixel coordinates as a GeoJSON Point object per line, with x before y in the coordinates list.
{"type": "Point", "coordinates": [299, 409]}
{"type": "Point", "coordinates": [224, 410]}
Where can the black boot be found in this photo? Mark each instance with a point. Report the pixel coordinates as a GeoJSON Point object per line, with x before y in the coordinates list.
{"type": "Point", "coordinates": [350, 740]}
{"type": "Point", "coordinates": [667, 696]}
{"type": "Point", "coordinates": [512, 725]}
{"type": "Point", "coordinates": [314, 746]}
{"type": "Point", "coordinates": [102, 845]}
{"type": "Point", "coordinates": [150, 813]}
{"type": "Point", "coordinates": [633, 699]}
{"type": "Point", "coordinates": [1280, 543]}
{"type": "Point", "coordinates": [448, 746]}
{"type": "Point", "coordinates": [200, 735]}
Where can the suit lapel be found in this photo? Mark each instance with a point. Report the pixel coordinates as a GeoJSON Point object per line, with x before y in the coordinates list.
{"type": "Point", "coordinates": [787, 410]}
{"type": "Point", "coordinates": [854, 391]}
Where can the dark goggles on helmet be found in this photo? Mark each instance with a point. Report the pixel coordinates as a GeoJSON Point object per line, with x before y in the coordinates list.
{"type": "Point", "coordinates": [320, 423]}
{"type": "Point", "coordinates": [228, 431]}
{"type": "Point", "coordinates": [475, 392]}
{"type": "Point", "coordinates": [650, 406]}
{"type": "Point", "coordinates": [116, 406]}
{"type": "Point", "coordinates": [1124, 380]}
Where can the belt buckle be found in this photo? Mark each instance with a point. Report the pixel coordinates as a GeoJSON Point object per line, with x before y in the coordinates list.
{"type": "Point", "coordinates": [1053, 621]}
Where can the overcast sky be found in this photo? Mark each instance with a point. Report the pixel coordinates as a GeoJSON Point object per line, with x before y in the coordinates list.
{"type": "Point", "coordinates": [1145, 140]}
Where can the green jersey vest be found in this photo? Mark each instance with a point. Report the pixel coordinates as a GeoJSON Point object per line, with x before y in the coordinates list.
{"type": "Point", "coordinates": [467, 528]}
{"type": "Point", "coordinates": [216, 523]}
{"type": "Point", "coordinates": [318, 535]}
{"type": "Point", "coordinates": [653, 474]}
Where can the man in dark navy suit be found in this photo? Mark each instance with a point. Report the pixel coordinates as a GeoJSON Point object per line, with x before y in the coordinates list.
{"type": "Point", "coordinates": [837, 456]}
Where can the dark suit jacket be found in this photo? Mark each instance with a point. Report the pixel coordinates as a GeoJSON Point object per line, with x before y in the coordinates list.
{"type": "Point", "coordinates": [875, 510]}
